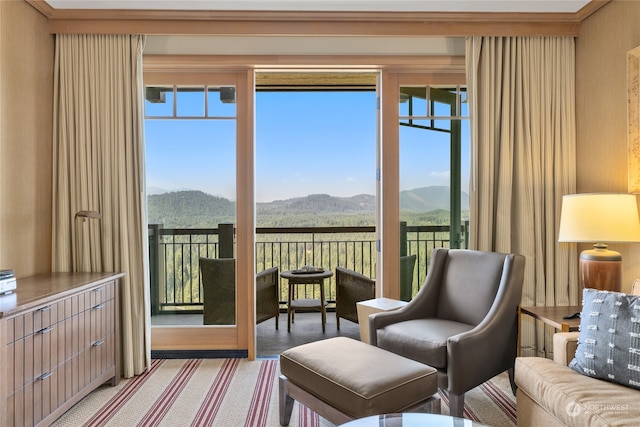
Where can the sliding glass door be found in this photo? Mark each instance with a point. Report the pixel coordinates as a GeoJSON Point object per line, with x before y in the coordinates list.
{"type": "Point", "coordinates": [196, 137]}
{"type": "Point", "coordinates": [421, 144]}
{"type": "Point", "coordinates": [425, 174]}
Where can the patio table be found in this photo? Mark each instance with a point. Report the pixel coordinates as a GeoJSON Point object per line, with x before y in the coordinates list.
{"type": "Point", "coordinates": [306, 276]}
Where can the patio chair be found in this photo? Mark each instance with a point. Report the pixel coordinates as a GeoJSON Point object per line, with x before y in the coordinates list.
{"type": "Point", "coordinates": [267, 296]}
{"type": "Point", "coordinates": [463, 321]}
{"type": "Point", "coordinates": [407, 265]}
{"type": "Point", "coordinates": [219, 292]}
{"type": "Point", "coordinates": [351, 287]}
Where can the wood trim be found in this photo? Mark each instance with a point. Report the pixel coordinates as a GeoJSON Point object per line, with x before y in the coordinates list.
{"type": "Point", "coordinates": [212, 63]}
{"type": "Point", "coordinates": [188, 77]}
{"type": "Point", "coordinates": [121, 21]}
{"type": "Point", "coordinates": [431, 27]}
{"type": "Point", "coordinates": [590, 9]}
{"type": "Point", "coordinates": [390, 188]}
{"type": "Point", "coordinates": [633, 120]}
{"type": "Point", "coordinates": [311, 16]}
{"type": "Point", "coordinates": [209, 337]}
{"type": "Point", "coordinates": [43, 7]}
{"type": "Point", "coordinates": [245, 215]}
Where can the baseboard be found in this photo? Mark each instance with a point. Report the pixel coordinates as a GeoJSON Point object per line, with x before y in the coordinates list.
{"type": "Point", "coordinates": [199, 354]}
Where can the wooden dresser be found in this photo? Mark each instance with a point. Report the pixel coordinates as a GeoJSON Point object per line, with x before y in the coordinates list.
{"type": "Point", "coordinates": [59, 337]}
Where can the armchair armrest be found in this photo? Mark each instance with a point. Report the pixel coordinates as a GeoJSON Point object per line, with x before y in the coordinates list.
{"type": "Point", "coordinates": [382, 319]}
{"type": "Point", "coordinates": [564, 347]}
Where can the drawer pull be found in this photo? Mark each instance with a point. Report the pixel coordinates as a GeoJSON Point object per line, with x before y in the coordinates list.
{"type": "Point", "coordinates": [98, 307]}
{"type": "Point", "coordinates": [45, 330]}
{"type": "Point", "coordinates": [45, 308]}
{"type": "Point", "coordinates": [98, 343]}
{"type": "Point", "coordinates": [45, 376]}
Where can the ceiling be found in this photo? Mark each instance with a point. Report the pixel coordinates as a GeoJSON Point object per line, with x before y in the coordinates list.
{"type": "Point", "coordinates": [529, 6]}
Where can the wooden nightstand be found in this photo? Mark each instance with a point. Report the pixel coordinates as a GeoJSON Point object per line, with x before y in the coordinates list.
{"type": "Point", "coordinates": [551, 316]}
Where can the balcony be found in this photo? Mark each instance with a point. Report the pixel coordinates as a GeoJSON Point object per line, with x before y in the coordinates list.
{"type": "Point", "coordinates": [174, 254]}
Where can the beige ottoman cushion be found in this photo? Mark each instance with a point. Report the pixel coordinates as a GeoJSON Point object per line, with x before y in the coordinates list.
{"type": "Point", "coordinates": [357, 378]}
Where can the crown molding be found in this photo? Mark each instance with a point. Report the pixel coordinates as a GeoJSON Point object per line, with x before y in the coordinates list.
{"type": "Point", "coordinates": [264, 23]}
{"type": "Point", "coordinates": [590, 8]}
{"type": "Point", "coordinates": [210, 63]}
{"type": "Point", "coordinates": [42, 6]}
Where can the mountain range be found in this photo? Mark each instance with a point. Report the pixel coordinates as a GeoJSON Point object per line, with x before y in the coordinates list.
{"type": "Point", "coordinates": [194, 208]}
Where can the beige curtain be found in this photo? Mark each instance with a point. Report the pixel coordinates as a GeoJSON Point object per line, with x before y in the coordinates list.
{"type": "Point", "coordinates": [98, 166]}
{"type": "Point", "coordinates": [522, 107]}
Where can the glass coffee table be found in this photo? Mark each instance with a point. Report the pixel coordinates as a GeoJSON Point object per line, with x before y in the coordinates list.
{"type": "Point", "coordinates": [412, 419]}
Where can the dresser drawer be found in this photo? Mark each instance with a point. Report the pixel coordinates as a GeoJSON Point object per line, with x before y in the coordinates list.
{"type": "Point", "coordinates": [40, 318]}
{"type": "Point", "coordinates": [33, 355]}
{"type": "Point", "coordinates": [46, 316]}
{"type": "Point", "coordinates": [101, 294]}
{"type": "Point", "coordinates": [102, 346]}
{"type": "Point", "coordinates": [29, 405]}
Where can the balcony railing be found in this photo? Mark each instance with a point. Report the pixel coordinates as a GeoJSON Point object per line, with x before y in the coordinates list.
{"type": "Point", "coordinates": [174, 255]}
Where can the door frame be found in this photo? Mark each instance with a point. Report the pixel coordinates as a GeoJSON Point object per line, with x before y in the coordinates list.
{"type": "Point", "coordinates": [394, 72]}
{"type": "Point", "coordinates": [238, 336]}
{"type": "Point", "coordinates": [392, 80]}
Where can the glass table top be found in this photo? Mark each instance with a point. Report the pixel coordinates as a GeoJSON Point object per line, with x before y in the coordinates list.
{"type": "Point", "coordinates": [412, 419]}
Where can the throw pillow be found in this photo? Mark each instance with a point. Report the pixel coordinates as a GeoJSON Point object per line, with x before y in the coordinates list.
{"type": "Point", "coordinates": [609, 340]}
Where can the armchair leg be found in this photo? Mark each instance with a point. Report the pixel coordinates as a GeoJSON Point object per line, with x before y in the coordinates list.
{"type": "Point", "coordinates": [456, 405]}
{"type": "Point", "coordinates": [285, 404]}
{"type": "Point", "coordinates": [337, 322]}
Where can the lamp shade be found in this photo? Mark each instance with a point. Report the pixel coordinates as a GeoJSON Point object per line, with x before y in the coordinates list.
{"type": "Point", "coordinates": [599, 217]}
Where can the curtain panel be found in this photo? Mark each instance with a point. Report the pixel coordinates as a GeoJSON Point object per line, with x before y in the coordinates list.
{"type": "Point", "coordinates": [522, 108]}
{"type": "Point", "coordinates": [98, 166]}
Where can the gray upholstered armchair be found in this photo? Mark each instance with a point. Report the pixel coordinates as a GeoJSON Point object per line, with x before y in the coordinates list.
{"type": "Point", "coordinates": [463, 321]}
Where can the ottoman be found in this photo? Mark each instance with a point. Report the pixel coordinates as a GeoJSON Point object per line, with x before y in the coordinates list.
{"type": "Point", "coordinates": [342, 379]}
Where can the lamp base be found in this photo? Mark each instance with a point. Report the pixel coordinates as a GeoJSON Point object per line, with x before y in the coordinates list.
{"type": "Point", "coordinates": [601, 269]}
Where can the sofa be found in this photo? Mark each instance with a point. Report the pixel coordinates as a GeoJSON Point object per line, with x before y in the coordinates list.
{"type": "Point", "coordinates": [551, 394]}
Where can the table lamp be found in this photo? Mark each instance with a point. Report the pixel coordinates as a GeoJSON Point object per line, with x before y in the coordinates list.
{"type": "Point", "coordinates": [598, 218]}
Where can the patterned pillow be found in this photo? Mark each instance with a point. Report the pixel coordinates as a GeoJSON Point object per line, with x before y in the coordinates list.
{"type": "Point", "coordinates": [609, 340]}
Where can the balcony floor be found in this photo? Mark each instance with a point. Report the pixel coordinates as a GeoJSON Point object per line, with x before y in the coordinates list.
{"type": "Point", "coordinates": [271, 342]}
{"type": "Point", "coordinates": [306, 328]}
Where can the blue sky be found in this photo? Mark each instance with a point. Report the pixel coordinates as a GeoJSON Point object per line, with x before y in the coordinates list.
{"type": "Point", "coordinates": [306, 143]}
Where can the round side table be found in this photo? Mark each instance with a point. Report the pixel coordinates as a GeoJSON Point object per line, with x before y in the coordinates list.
{"type": "Point", "coordinates": [301, 277]}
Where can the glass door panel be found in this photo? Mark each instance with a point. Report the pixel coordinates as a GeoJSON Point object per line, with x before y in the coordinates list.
{"type": "Point", "coordinates": [190, 138]}
{"type": "Point", "coordinates": [434, 164]}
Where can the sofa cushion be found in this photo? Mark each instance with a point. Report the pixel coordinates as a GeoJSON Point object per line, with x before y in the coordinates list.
{"type": "Point", "coordinates": [574, 399]}
{"type": "Point", "coordinates": [609, 339]}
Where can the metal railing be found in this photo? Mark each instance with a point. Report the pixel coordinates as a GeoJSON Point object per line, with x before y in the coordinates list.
{"type": "Point", "coordinates": [174, 255]}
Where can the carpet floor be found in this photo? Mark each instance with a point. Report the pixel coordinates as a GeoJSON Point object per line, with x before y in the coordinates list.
{"type": "Point", "coordinates": [235, 392]}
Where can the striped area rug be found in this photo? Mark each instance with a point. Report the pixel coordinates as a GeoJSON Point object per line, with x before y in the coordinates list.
{"type": "Point", "coordinates": [235, 393]}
